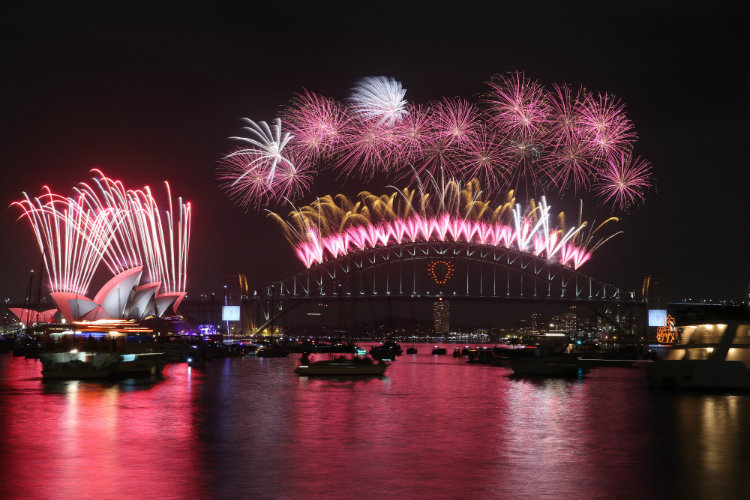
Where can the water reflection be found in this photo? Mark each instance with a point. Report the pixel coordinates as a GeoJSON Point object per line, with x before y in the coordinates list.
{"type": "Point", "coordinates": [434, 427]}
{"type": "Point", "coordinates": [75, 439]}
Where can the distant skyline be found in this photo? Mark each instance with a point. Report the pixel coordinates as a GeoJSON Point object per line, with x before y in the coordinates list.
{"type": "Point", "coordinates": [152, 93]}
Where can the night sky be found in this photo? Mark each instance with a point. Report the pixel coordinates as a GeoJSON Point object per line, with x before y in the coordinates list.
{"type": "Point", "coordinates": [153, 92]}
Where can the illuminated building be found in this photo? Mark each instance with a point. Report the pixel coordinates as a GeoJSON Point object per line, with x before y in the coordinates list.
{"type": "Point", "coordinates": [441, 316]}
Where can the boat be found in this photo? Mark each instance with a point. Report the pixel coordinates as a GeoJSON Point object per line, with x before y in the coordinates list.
{"type": "Point", "coordinates": [708, 356]}
{"type": "Point", "coordinates": [388, 350]}
{"type": "Point", "coordinates": [411, 350]}
{"type": "Point", "coordinates": [271, 351]}
{"type": "Point", "coordinates": [342, 366]}
{"type": "Point", "coordinates": [456, 352]}
{"type": "Point", "coordinates": [75, 364]}
{"type": "Point", "coordinates": [439, 350]}
{"type": "Point", "coordinates": [556, 366]}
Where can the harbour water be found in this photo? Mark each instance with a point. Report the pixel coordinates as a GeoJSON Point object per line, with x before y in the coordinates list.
{"type": "Point", "coordinates": [434, 428]}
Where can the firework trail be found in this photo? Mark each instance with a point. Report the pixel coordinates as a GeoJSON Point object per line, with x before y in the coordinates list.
{"type": "Point", "coordinates": [165, 238]}
{"type": "Point", "coordinates": [73, 240]}
{"type": "Point", "coordinates": [564, 119]}
{"type": "Point", "coordinates": [570, 165]}
{"type": "Point", "coordinates": [103, 193]}
{"type": "Point", "coordinates": [379, 99]}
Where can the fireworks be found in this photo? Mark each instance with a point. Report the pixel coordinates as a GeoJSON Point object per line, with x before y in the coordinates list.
{"type": "Point", "coordinates": [265, 171]}
{"type": "Point", "coordinates": [606, 127]}
{"type": "Point", "coordinates": [331, 227]}
{"type": "Point", "coordinates": [317, 123]}
{"type": "Point", "coordinates": [483, 158]}
{"type": "Point", "coordinates": [72, 238]}
{"type": "Point", "coordinates": [105, 222]}
{"type": "Point", "coordinates": [520, 137]}
{"type": "Point", "coordinates": [624, 181]}
{"type": "Point", "coordinates": [517, 105]}
{"type": "Point", "coordinates": [456, 120]}
{"type": "Point", "coordinates": [379, 99]}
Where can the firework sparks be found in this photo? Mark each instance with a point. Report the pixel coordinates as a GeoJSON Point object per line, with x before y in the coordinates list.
{"type": "Point", "coordinates": [456, 120]}
{"type": "Point", "coordinates": [379, 99]}
{"type": "Point", "coordinates": [265, 153]}
{"type": "Point", "coordinates": [73, 240]}
{"type": "Point", "coordinates": [607, 127]}
{"type": "Point", "coordinates": [524, 138]}
{"type": "Point", "coordinates": [518, 105]}
{"type": "Point", "coordinates": [624, 181]}
{"type": "Point", "coordinates": [317, 123]}
{"type": "Point", "coordinates": [484, 158]}
{"type": "Point", "coordinates": [367, 149]}
{"type": "Point", "coordinates": [335, 226]}
{"type": "Point", "coordinates": [571, 164]}
{"type": "Point", "coordinates": [412, 135]}
{"type": "Point", "coordinates": [264, 171]}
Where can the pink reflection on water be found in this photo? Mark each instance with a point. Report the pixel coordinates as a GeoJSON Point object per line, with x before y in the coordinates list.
{"type": "Point", "coordinates": [77, 439]}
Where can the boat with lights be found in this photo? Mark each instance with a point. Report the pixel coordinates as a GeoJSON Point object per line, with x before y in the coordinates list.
{"type": "Point", "coordinates": [101, 350]}
{"type": "Point", "coordinates": [343, 366]}
{"type": "Point", "coordinates": [707, 356]}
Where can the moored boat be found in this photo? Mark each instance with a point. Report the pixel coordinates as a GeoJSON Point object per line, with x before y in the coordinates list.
{"type": "Point", "coordinates": [709, 356]}
{"type": "Point", "coordinates": [340, 366]}
{"type": "Point", "coordinates": [544, 365]}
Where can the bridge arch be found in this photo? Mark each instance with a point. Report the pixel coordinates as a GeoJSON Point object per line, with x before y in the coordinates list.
{"type": "Point", "coordinates": [481, 271]}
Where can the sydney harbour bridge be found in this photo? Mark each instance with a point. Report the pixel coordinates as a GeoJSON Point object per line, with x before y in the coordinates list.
{"type": "Point", "coordinates": [458, 271]}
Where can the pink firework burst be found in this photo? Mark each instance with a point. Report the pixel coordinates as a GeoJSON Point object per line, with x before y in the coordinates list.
{"type": "Point", "coordinates": [527, 173]}
{"type": "Point", "coordinates": [565, 115]}
{"type": "Point", "coordinates": [367, 148]}
{"type": "Point", "coordinates": [570, 164]}
{"type": "Point", "coordinates": [484, 158]}
{"type": "Point", "coordinates": [247, 183]}
{"type": "Point", "coordinates": [412, 135]}
{"type": "Point", "coordinates": [624, 181]}
{"type": "Point", "coordinates": [605, 124]}
{"type": "Point", "coordinates": [518, 106]}
{"type": "Point", "coordinates": [456, 120]}
{"type": "Point", "coordinates": [293, 183]}
{"type": "Point", "coordinates": [439, 158]}
{"type": "Point", "coordinates": [317, 123]}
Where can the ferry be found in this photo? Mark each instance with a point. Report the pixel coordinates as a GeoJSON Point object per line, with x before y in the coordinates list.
{"type": "Point", "coordinates": [707, 356]}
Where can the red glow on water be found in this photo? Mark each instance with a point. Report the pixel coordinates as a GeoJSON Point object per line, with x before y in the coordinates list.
{"type": "Point", "coordinates": [98, 439]}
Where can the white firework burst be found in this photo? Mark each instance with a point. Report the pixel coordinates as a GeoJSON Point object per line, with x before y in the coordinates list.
{"type": "Point", "coordinates": [379, 98]}
{"type": "Point", "coordinates": [266, 149]}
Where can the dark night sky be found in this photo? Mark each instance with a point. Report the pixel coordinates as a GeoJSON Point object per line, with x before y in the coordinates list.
{"type": "Point", "coordinates": [153, 92]}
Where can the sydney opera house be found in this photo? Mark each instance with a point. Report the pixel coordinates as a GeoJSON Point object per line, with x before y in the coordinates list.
{"type": "Point", "coordinates": [104, 225]}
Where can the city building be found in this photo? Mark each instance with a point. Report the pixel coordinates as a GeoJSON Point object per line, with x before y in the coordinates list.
{"type": "Point", "coordinates": [441, 316]}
